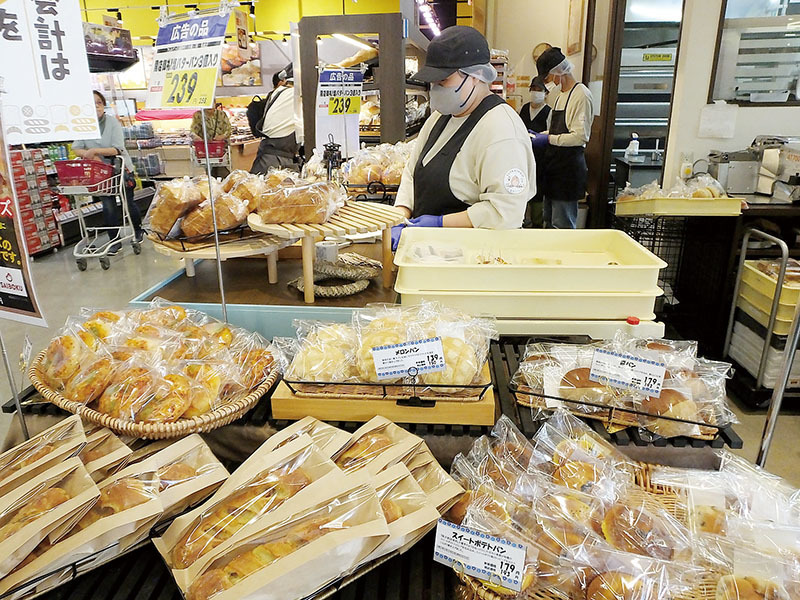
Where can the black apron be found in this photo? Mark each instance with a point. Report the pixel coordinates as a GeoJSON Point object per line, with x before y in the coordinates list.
{"type": "Point", "coordinates": [539, 123]}
{"type": "Point", "coordinates": [432, 193]}
{"type": "Point", "coordinates": [565, 176]}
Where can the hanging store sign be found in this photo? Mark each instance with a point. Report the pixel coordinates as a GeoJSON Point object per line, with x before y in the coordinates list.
{"type": "Point", "coordinates": [186, 62]}
{"type": "Point", "coordinates": [17, 295]}
{"type": "Point", "coordinates": [338, 108]}
{"type": "Point", "coordinates": [48, 91]}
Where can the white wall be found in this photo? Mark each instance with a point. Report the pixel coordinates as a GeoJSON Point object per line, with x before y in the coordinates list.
{"type": "Point", "coordinates": [695, 63]}
{"type": "Point", "coordinates": [519, 25]}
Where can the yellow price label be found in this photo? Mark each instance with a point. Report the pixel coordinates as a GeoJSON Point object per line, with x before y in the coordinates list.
{"type": "Point", "coordinates": [652, 57]}
{"type": "Point", "coordinates": [189, 87]}
{"type": "Point", "coordinates": [344, 105]}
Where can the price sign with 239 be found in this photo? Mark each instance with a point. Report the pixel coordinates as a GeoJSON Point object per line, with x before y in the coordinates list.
{"type": "Point", "coordinates": [344, 105]}
{"type": "Point", "coordinates": [189, 87]}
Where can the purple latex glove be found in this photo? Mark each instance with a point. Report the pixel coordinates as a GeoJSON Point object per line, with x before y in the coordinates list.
{"type": "Point", "coordinates": [540, 140]}
{"type": "Point", "coordinates": [396, 231]}
{"type": "Point", "coordinates": [427, 221]}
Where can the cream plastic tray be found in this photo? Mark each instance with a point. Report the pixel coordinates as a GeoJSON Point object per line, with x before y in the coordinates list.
{"type": "Point", "coordinates": [592, 260]}
{"type": "Point", "coordinates": [542, 305]}
{"type": "Point", "coordinates": [763, 302]}
{"type": "Point", "coordinates": [781, 327]}
{"type": "Point", "coordinates": [680, 207]}
{"type": "Point", "coordinates": [764, 284]}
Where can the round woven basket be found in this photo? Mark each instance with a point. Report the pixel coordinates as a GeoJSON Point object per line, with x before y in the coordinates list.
{"type": "Point", "coordinates": [219, 417]}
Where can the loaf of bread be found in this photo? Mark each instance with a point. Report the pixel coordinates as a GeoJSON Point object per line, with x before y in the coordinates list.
{"type": "Point", "coordinates": [310, 203]}
{"type": "Point", "coordinates": [170, 401]}
{"type": "Point", "coordinates": [363, 450]}
{"type": "Point", "coordinates": [201, 183]}
{"type": "Point", "coordinates": [249, 190]}
{"type": "Point", "coordinates": [31, 510]}
{"type": "Point", "coordinates": [120, 495]}
{"type": "Point", "coordinates": [87, 385]}
{"type": "Point", "coordinates": [131, 388]}
{"type": "Point", "coordinates": [263, 494]}
{"type": "Point", "coordinates": [231, 212]}
{"type": "Point", "coordinates": [234, 179]}
{"type": "Point", "coordinates": [225, 577]}
{"type": "Point", "coordinates": [174, 199]}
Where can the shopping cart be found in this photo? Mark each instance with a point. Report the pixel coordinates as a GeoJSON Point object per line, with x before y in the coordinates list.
{"type": "Point", "coordinates": [86, 180]}
{"type": "Point", "coordinates": [219, 153]}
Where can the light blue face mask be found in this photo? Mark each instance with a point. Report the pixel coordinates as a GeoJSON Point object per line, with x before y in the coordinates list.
{"type": "Point", "coordinates": [447, 100]}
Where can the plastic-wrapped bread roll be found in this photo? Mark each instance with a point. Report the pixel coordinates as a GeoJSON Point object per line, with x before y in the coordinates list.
{"type": "Point", "coordinates": [231, 212]}
{"type": "Point", "coordinates": [278, 178]}
{"type": "Point", "coordinates": [232, 180]}
{"type": "Point", "coordinates": [313, 203]}
{"type": "Point", "coordinates": [249, 190]}
{"type": "Point", "coordinates": [461, 365]}
{"type": "Point", "coordinates": [173, 200]}
{"type": "Point", "coordinates": [201, 183]}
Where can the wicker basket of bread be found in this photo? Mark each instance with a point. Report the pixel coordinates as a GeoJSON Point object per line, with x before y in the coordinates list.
{"type": "Point", "coordinates": [158, 372]}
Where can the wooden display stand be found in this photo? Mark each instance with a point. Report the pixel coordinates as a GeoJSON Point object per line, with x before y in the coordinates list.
{"type": "Point", "coordinates": [354, 217]}
{"type": "Point", "coordinates": [255, 246]}
{"type": "Point", "coordinates": [290, 405]}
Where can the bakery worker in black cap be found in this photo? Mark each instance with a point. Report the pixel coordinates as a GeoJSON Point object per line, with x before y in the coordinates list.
{"type": "Point", "coordinates": [564, 142]}
{"type": "Point", "coordinates": [535, 116]}
{"type": "Point", "coordinates": [472, 165]}
{"type": "Point", "coordinates": [534, 113]}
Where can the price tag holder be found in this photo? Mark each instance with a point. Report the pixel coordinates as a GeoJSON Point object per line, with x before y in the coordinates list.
{"type": "Point", "coordinates": [189, 87]}
{"type": "Point", "coordinates": [628, 372]}
{"type": "Point", "coordinates": [426, 356]}
{"type": "Point", "coordinates": [344, 105]}
{"type": "Point", "coordinates": [480, 555]}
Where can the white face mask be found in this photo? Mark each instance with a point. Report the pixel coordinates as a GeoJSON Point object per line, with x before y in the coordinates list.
{"type": "Point", "coordinates": [537, 97]}
{"type": "Point", "coordinates": [552, 87]}
{"type": "Point", "coordinates": [450, 100]}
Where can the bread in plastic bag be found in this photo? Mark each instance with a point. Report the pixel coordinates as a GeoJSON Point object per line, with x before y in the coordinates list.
{"type": "Point", "coordinates": [230, 213]}
{"type": "Point", "coordinates": [312, 203]}
{"type": "Point", "coordinates": [172, 201]}
{"type": "Point", "coordinates": [249, 190]}
{"type": "Point", "coordinates": [326, 352]}
{"type": "Point", "coordinates": [233, 179]}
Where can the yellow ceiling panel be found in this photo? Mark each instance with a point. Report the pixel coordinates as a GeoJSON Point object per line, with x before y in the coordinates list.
{"type": "Point", "coordinates": [361, 7]}
{"type": "Point", "coordinates": [276, 16]}
{"type": "Point", "coordinates": [320, 7]}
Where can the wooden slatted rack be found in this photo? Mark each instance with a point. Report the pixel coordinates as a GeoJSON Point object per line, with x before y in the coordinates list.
{"type": "Point", "coordinates": [353, 218]}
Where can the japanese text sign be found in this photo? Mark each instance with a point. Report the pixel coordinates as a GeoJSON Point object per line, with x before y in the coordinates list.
{"type": "Point", "coordinates": [48, 90]}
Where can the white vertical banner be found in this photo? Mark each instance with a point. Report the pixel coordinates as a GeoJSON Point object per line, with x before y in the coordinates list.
{"type": "Point", "coordinates": [338, 109]}
{"type": "Point", "coordinates": [43, 61]}
{"type": "Point", "coordinates": [242, 35]}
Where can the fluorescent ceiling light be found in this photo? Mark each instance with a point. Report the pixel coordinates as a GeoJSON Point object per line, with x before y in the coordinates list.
{"type": "Point", "coordinates": [353, 41]}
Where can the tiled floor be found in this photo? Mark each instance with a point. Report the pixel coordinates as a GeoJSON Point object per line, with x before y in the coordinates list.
{"type": "Point", "coordinates": [63, 290]}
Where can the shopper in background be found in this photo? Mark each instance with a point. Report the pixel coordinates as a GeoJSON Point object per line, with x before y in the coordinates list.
{"type": "Point", "coordinates": [564, 142]}
{"type": "Point", "coordinates": [472, 165]}
{"type": "Point", "coordinates": [280, 145]}
{"type": "Point", "coordinates": [534, 114]}
{"type": "Point", "coordinates": [218, 125]}
{"type": "Point", "coordinates": [110, 145]}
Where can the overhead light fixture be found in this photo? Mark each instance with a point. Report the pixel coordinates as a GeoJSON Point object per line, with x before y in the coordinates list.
{"type": "Point", "coordinates": [353, 41]}
{"type": "Point", "coordinates": [429, 16]}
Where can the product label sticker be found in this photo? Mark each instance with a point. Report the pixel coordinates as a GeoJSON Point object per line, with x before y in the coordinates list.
{"type": "Point", "coordinates": [426, 356]}
{"type": "Point", "coordinates": [627, 372]}
{"type": "Point", "coordinates": [480, 555]}
{"type": "Point", "coordinates": [515, 181]}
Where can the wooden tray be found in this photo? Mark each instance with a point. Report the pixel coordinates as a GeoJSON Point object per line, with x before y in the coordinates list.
{"type": "Point", "coordinates": [291, 406]}
{"type": "Point", "coordinates": [223, 415]}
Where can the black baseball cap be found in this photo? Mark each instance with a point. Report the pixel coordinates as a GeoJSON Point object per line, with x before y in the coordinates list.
{"type": "Point", "coordinates": [458, 46]}
{"type": "Point", "coordinates": [550, 58]}
{"type": "Point", "coordinates": [538, 82]}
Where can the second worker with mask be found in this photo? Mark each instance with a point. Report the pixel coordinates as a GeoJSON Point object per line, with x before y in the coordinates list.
{"type": "Point", "coordinates": [472, 165]}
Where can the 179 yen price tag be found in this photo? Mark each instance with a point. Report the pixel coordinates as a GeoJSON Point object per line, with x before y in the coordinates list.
{"type": "Point", "coordinates": [396, 360]}
{"type": "Point", "coordinates": [480, 555]}
{"type": "Point", "coordinates": [627, 372]}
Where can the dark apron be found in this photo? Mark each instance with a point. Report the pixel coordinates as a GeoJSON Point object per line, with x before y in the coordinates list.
{"type": "Point", "coordinates": [565, 165]}
{"type": "Point", "coordinates": [432, 193]}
